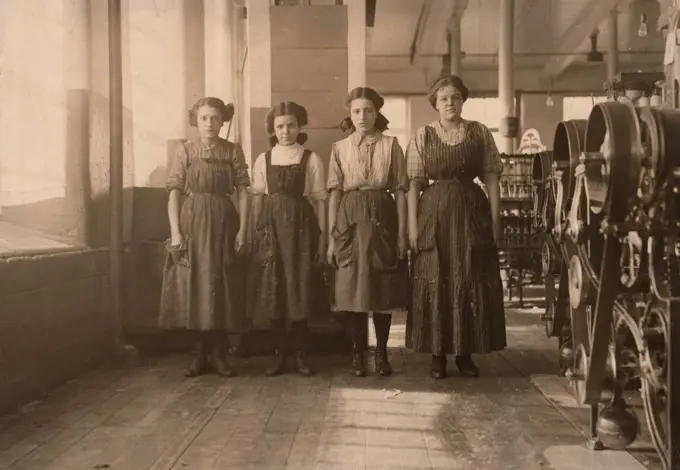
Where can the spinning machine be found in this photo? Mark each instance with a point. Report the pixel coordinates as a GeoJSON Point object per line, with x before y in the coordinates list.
{"type": "Point", "coordinates": [609, 211]}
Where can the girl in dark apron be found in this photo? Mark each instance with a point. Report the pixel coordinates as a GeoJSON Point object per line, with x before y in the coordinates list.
{"type": "Point", "coordinates": [289, 243]}
{"type": "Point", "coordinates": [202, 280]}
{"type": "Point", "coordinates": [367, 219]}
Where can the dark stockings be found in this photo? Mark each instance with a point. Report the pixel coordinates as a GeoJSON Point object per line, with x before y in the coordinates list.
{"type": "Point", "coordinates": [357, 328]}
{"type": "Point", "coordinates": [382, 323]}
{"type": "Point", "coordinates": [213, 349]}
{"type": "Point", "coordinates": [294, 339]}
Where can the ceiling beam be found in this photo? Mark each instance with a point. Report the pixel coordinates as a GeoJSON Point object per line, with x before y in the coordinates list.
{"type": "Point", "coordinates": [438, 13]}
{"type": "Point", "coordinates": [592, 14]}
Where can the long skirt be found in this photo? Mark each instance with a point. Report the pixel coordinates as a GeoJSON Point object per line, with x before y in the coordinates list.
{"type": "Point", "coordinates": [283, 280]}
{"type": "Point", "coordinates": [369, 276]}
{"type": "Point", "coordinates": [203, 285]}
{"type": "Point", "coordinates": [457, 305]}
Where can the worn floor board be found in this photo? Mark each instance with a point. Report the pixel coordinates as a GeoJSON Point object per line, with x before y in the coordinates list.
{"type": "Point", "coordinates": [518, 415]}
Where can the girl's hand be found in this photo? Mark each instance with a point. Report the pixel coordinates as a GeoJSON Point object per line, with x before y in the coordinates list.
{"type": "Point", "coordinates": [330, 252]}
{"type": "Point", "coordinates": [413, 242]}
{"type": "Point", "coordinates": [402, 247]}
{"type": "Point", "coordinates": [240, 240]}
{"type": "Point", "coordinates": [497, 231]}
{"type": "Point", "coordinates": [321, 252]}
{"type": "Point", "coordinates": [177, 239]}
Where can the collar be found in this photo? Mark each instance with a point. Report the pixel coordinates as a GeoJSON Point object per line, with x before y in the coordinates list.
{"type": "Point", "coordinates": [370, 138]}
{"type": "Point", "coordinates": [204, 146]}
{"type": "Point", "coordinates": [462, 125]}
{"type": "Point", "coordinates": [295, 147]}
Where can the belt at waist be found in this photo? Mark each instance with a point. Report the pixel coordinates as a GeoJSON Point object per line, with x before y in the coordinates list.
{"type": "Point", "coordinates": [216, 195]}
{"type": "Point", "coordinates": [366, 189]}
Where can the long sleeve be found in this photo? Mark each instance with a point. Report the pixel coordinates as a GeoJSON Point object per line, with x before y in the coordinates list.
{"type": "Point", "coordinates": [398, 178]}
{"type": "Point", "coordinates": [415, 161]}
{"type": "Point", "coordinates": [178, 172]}
{"type": "Point", "coordinates": [335, 176]}
{"type": "Point", "coordinates": [259, 176]}
{"type": "Point", "coordinates": [315, 186]}
{"type": "Point", "coordinates": [492, 162]}
{"type": "Point", "coordinates": [240, 167]}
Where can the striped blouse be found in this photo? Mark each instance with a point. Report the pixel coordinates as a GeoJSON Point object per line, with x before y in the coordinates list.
{"type": "Point", "coordinates": [373, 161]}
{"type": "Point", "coordinates": [415, 161]}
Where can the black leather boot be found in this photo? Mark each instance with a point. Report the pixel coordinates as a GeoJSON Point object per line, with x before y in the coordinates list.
{"type": "Point", "coordinates": [438, 368]}
{"type": "Point", "coordinates": [279, 365]}
{"type": "Point", "coordinates": [201, 364]}
{"type": "Point", "coordinates": [382, 323]}
{"type": "Point", "coordinates": [358, 323]}
{"type": "Point", "coordinates": [358, 367]}
{"type": "Point", "coordinates": [298, 338]}
{"type": "Point", "coordinates": [466, 367]}
{"type": "Point", "coordinates": [302, 368]}
{"type": "Point", "coordinates": [220, 357]}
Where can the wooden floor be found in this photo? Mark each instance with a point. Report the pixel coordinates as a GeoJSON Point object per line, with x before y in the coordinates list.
{"type": "Point", "coordinates": [518, 415]}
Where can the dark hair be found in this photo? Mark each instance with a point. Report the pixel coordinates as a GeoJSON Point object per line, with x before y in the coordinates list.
{"type": "Point", "coordinates": [374, 97]}
{"type": "Point", "coordinates": [286, 108]}
{"type": "Point", "coordinates": [226, 110]}
{"type": "Point", "coordinates": [447, 80]}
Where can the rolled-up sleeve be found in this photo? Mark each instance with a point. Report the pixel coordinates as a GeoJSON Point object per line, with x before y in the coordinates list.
{"type": "Point", "coordinates": [398, 180]}
{"type": "Point", "coordinates": [259, 176]}
{"type": "Point", "coordinates": [178, 172]}
{"type": "Point", "coordinates": [335, 176]}
{"type": "Point", "coordinates": [415, 163]}
{"type": "Point", "coordinates": [315, 187]}
{"type": "Point", "coordinates": [491, 158]}
{"type": "Point", "coordinates": [240, 168]}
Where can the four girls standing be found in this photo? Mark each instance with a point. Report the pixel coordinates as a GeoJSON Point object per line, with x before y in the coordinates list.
{"type": "Point", "coordinates": [456, 305]}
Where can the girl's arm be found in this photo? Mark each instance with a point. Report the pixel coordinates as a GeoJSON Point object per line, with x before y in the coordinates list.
{"type": "Point", "coordinates": [412, 199]}
{"type": "Point", "coordinates": [173, 216]}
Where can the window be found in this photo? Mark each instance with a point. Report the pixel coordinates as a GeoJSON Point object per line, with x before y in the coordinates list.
{"type": "Point", "coordinates": [579, 107]}
{"type": "Point", "coordinates": [488, 112]}
{"type": "Point", "coordinates": [396, 110]}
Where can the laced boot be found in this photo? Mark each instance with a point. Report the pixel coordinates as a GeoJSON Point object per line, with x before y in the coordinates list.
{"type": "Point", "coordinates": [466, 367]}
{"type": "Point", "coordinates": [382, 323]}
{"type": "Point", "coordinates": [358, 367]}
{"type": "Point", "coordinates": [200, 364]}
{"type": "Point", "coordinates": [302, 368]}
{"type": "Point", "coordinates": [279, 365]}
{"type": "Point", "coordinates": [220, 360]}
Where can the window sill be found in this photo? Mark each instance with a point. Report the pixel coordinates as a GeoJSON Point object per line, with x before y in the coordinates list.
{"type": "Point", "coordinates": [17, 241]}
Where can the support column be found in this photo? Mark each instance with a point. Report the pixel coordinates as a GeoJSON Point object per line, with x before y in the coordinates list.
{"type": "Point", "coordinates": [356, 43]}
{"type": "Point", "coordinates": [455, 46]}
{"type": "Point", "coordinates": [77, 84]}
{"type": "Point", "coordinates": [506, 87]}
{"type": "Point", "coordinates": [613, 44]}
{"type": "Point", "coordinates": [219, 66]}
{"type": "Point", "coordinates": [259, 76]}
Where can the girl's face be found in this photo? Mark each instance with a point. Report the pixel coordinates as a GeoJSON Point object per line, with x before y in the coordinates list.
{"type": "Point", "coordinates": [209, 121]}
{"type": "Point", "coordinates": [363, 114]}
{"type": "Point", "coordinates": [449, 103]}
{"type": "Point", "coordinates": [286, 129]}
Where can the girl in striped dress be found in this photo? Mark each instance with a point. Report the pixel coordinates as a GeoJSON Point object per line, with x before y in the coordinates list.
{"type": "Point", "coordinates": [367, 220]}
{"type": "Point", "coordinates": [290, 235]}
{"type": "Point", "coordinates": [457, 304]}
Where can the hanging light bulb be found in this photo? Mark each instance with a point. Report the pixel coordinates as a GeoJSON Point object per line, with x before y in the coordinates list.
{"type": "Point", "coordinates": [642, 30]}
{"type": "Point", "coordinates": [549, 102]}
